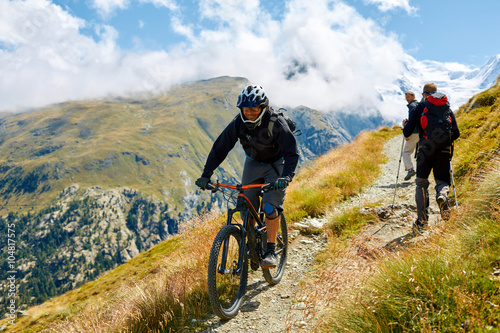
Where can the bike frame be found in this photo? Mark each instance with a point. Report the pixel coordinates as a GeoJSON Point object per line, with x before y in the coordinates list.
{"type": "Point", "coordinates": [245, 207]}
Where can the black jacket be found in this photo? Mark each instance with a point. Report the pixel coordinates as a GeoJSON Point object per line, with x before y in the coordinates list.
{"type": "Point", "coordinates": [411, 106]}
{"type": "Point", "coordinates": [258, 144]}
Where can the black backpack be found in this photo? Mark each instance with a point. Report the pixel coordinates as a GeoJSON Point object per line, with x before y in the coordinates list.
{"type": "Point", "coordinates": [436, 121]}
{"type": "Point", "coordinates": [290, 122]}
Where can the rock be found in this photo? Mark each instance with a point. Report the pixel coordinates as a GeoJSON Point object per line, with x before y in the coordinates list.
{"type": "Point", "coordinates": [365, 211]}
{"type": "Point", "coordinates": [302, 324]}
{"type": "Point", "coordinates": [383, 212]}
{"type": "Point", "coordinates": [142, 159]}
{"type": "Point", "coordinates": [68, 191]}
{"type": "Point", "coordinates": [315, 223]}
{"type": "Point", "coordinates": [299, 306]}
{"type": "Point", "coordinates": [21, 313]}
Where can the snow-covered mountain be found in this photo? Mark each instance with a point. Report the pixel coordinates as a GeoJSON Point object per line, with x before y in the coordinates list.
{"type": "Point", "coordinates": [488, 73]}
{"type": "Point", "coordinates": [458, 81]}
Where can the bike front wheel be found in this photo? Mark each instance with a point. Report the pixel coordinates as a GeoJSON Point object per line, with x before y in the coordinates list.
{"type": "Point", "coordinates": [226, 281]}
{"type": "Point", "coordinates": [273, 275]}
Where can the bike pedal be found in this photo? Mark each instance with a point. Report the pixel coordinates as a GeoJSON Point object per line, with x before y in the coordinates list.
{"type": "Point", "coordinates": [254, 265]}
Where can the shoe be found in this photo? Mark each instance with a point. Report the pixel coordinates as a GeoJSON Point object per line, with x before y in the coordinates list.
{"type": "Point", "coordinates": [410, 174]}
{"type": "Point", "coordinates": [418, 227]}
{"type": "Point", "coordinates": [444, 208]}
{"type": "Point", "coordinates": [269, 260]}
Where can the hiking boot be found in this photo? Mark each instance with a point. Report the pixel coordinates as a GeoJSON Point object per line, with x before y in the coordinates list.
{"type": "Point", "coordinates": [444, 208]}
{"type": "Point", "coordinates": [410, 174]}
{"type": "Point", "coordinates": [418, 227]}
{"type": "Point", "coordinates": [269, 260]}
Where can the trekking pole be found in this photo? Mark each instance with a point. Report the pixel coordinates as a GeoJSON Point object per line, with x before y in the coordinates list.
{"type": "Point", "coordinates": [453, 182]}
{"type": "Point", "coordinates": [397, 177]}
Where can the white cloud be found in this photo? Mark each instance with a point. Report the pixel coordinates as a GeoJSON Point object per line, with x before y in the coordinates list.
{"type": "Point", "coordinates": [321, 54]}
{"type": "Point", "coordinates": [170, 4]}
{"type": "Point", "coordinates": [182, 29]}
{"type": "Point", "coordinates": [388, 5]}
{"type": "Point", "coordinates": [106, 7]}
{"type": "Point", "coordinates": [242, 13]}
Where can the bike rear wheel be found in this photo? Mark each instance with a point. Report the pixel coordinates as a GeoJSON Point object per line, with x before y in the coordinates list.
{"type": "Point", "coordinates": [273, 275]}
{"type": "Point", "coordinates": [226, 287]}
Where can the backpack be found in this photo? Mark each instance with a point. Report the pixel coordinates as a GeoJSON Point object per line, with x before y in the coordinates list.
{"type": "Point", "coordinates": [290, 122]}
{"type": "Point", "coordinates": [436, 121]}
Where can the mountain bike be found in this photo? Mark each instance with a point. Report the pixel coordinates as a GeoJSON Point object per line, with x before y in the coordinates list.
{"type": "Point", "coordinates": [238, 242]}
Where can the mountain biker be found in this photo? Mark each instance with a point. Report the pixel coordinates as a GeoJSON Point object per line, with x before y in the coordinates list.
{"type": "Point", "coordinates": [270, 158]}
{"type": "Point", "coordinates": [411, 141]}
{"type": "Point", "coordinates": [433, 154]}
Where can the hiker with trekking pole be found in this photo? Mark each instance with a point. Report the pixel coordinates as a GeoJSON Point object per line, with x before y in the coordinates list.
{"type": "Point", "coordinates": [408, 145]}
{"type": "Point", "coordinates": [412, 140]}
{"type": "Point", "coordinates": [437, 130]}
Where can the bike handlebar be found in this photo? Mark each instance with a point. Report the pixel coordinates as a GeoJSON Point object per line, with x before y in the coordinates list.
{"type": "Point", "coordinates": [214, 187]}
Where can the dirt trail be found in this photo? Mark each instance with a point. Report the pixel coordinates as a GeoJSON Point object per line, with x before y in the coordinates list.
{"type": "Point", "coordinates": [288, 306]}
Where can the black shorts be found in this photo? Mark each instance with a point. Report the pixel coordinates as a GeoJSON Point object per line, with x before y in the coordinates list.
{"type": "Point", "coordinates": [261, 173]}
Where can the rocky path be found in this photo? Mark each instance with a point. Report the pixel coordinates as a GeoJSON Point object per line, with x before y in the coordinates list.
{"type": "Point", "coordinates": [292, 306]}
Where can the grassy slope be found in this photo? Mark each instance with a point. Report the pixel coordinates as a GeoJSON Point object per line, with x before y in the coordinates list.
{"type": "Point", "coordinates": [479, 121]}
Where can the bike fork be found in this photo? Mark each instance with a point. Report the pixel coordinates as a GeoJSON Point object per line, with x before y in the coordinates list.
{"type": "Point", "coordinates": [223, 264]}
{"type": "Point", "coordinates": [222, 268]}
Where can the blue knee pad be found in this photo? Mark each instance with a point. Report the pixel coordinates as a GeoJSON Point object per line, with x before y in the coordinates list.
{"type": "Point", "coordinates": [270, 211]}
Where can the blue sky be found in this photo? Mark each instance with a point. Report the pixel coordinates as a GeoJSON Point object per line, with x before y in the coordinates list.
{"type": "Point", "coordinates": [463, 31]}
{"type": "Point", "coordinates": [57, 50]}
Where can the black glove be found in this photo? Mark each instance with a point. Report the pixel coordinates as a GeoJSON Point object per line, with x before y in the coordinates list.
{"type": "Point", "coordinates": [202, 182]}
{"type": "Point", "coordinates": [282, 183]}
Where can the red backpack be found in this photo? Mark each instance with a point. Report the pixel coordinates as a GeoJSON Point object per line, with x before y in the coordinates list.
{"type": "Point", "coordinates": [436, 121]}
